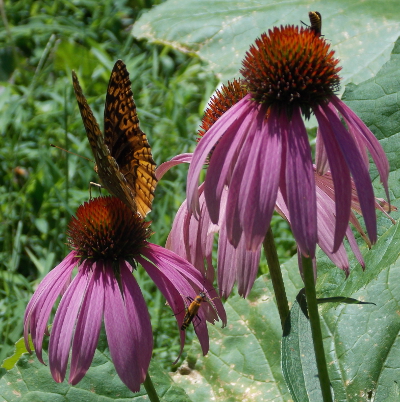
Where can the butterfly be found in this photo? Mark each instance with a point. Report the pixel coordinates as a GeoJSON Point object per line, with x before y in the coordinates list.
{"type": "Point", "coordinates": [123, 156]}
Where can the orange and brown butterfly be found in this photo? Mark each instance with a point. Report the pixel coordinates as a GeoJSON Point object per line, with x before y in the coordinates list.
{"type": "Point", "coordinates": [123, 156]}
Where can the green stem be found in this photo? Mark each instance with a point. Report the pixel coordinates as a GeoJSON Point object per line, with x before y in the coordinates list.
{"type": "Point", "coordinates": [276, 276]}
{"type": "Point", "coordinates": [316, 329]}
{"type": "Point", "coordinates": [151, 391]}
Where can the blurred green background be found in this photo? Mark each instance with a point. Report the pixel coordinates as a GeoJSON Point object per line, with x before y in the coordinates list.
{"type": "Point", "coordinates": [41, 187]}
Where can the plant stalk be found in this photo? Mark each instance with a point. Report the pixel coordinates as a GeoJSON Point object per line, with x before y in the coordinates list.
{"type": "Point", "coordinates": [151, 391]}
{"type": "Point", "coordinates": [276, 276]}
{"type": "Point", "coordinates": [313, 314]}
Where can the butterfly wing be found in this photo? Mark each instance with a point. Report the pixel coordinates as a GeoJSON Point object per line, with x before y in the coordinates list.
{"type": "Point", "coordinates": [95, 136]}
{"type": "Point", "coordinates": [126, 142]}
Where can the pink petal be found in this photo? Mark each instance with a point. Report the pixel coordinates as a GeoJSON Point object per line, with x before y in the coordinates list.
{"type": "Point", "coordinates": [184, 276]}
{"type": "Point", "coordinates": [262, 184]}
{"type": "Point", "coordinates": [87, 327]}
{"type": "Point", "coordinates": [120, 336]}
{"type": "Point", "coordinates": [241, 172]}
{"type": "Point", "coordinates": [300, 185]}
{"type": "Point", "coordinates": [354, 247]}
{"type": "Point", "coordinates": [226, 264]}
{"type": "Point", "coordinates": [224, 157]}
{"type": "Point", "coordinates": [139, 318]}
{"type": "Point", "coordinates": [360, 130]}
{"type": "Point", "coordinates": [64, 323]}
{"type": "Point", "coordinates": [39, 307]}
{"type": "Point", "coordinates": [321, 158]}
{"type": "Point", "coordinates": [358, 171]}
{"type": "Point", "coordinates": [171, 294]}
{"type": "Point", "coordinates": [340, 176]}
{"type": "Point", "coordinates": [176, 160]}
{"type": "Point", "coordinates": [228, 121]}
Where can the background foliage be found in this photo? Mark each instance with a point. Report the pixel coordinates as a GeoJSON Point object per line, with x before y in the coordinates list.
{"type": "Point", "coordinates": [173, 73]}
{"type": "Point", "coordinates": [41, 187]}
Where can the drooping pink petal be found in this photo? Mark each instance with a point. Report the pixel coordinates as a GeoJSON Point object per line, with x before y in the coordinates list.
{"type": "Point", "coordinates": [88, 326]}
{"type": "Point", "coordinates": [223, 161]}
{"type": "Point", "coordinates": [64, 322]}
{"type": "Point", "coordinates": [240, 176]}
{"type": "Point", "coordinates": [321, 158]}
{"type": "Point", "coordinates": [300, 185]}
{"type": "Point", "coordinates": [326, 225]}
{"type": "Point", "coordinates": [262, 186]}
{"type": "Point", "coordinates": [200, 327]}
{"type": "Point", "coordinates": [163, 257]}
{"type": "Point", "coordinates": [226, 124]}
{"type": "Point", "coordinates": [236, 264]}
{"type": "Point", "coordinates": [358, 171]}
{"type": "Point", "coordinates": [247, 266]}
{"type": "Point", "coordinates": [359, 129]}
{"type": "Point", "coordinates": [171, 294]}
{"type": "Point", "coordinates": [340, 176]}
{"type": "Point", "coordinates": [197, 239]}
{"type": "Point", "coordinates": [226, 264]}
{"type": "Point", "coordinates": [124, 352]}
{"type": "Point", "coordinates": [39, 307]}
{"type": "Point", "coordinates": [180, 272]}
{"type": "Point", "coordinates": [176, 160]}
{"type": "Point", "coordinates": [139, 319]}
{"type": "Point", "coordinates": [205, 240]}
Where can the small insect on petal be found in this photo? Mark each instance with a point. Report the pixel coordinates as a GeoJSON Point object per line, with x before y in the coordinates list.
{"type": "Point", "coordinates": [193, 309]}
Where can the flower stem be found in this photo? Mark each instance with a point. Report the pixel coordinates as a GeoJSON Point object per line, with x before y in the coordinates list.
{"type": "Point", "coordinates": [316, 329]}
{"type": "Point", "coordinates": [276, 276]}
{"type": "Point", "coordinates": [151, 391]}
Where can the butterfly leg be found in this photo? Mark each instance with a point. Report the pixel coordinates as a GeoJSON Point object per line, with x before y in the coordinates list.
{"type": "Point", "coordinates": [91, 183]}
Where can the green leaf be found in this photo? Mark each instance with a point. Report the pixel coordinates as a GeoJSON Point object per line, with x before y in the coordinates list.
{"type": "Point", "coordinates": [341, 299]}
{"type": "Point", "coordinates": [220, 32]}
{"type": "Point", "coordinates": [20, 349]}
{"type": "Point", "coordinates": [298, 358]}
{"type": "Point", "coordinates": [244, 358]}
{"type": "Point", "coordinates": [29, 380]}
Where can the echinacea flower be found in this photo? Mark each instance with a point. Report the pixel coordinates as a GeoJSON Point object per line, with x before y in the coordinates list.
{"type": "Point", "coordinates": [192, 238]}
{"type": "Point", "coordinates": [260, 145]}
{"type": "Point", "coordinates": [107, 241]}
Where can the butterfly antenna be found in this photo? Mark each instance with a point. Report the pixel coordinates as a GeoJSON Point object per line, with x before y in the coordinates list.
{"type": "Point", "coordinates": [73, 153]}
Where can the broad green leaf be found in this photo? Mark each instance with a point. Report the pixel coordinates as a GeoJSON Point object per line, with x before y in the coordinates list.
{"type": "Point", "coordinates": [362, 341]}
{"type": "Point", "coordinates": [244, 358]}
{"type": "Point", "coordinates": [29, 380]}
{"type": "Point", "coordinates": [220, 32]}
{"type": "Point", "coordinates": [20, 349]}
{"type": "Point", "coordinates": [298, 359]}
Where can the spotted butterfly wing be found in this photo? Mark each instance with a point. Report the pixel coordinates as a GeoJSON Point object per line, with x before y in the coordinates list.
{"type": "Point", "coordinates": [123, 156]}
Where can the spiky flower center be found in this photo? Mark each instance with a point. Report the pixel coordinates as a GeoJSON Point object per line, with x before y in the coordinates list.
{"type": "Point", "coordinates": [222, 101]}
{"type": "Point", "coordinates": [291, 66]}
{"type": "Point", "coordinates": [105, 229]}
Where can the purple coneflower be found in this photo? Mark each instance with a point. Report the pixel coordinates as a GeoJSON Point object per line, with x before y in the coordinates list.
{"type": "Point", "coordinates": [260, 145]}
{"type": "Point", "coordinates": [193, 238]}
{"type": "Point", "coordinates": [107, 241]}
